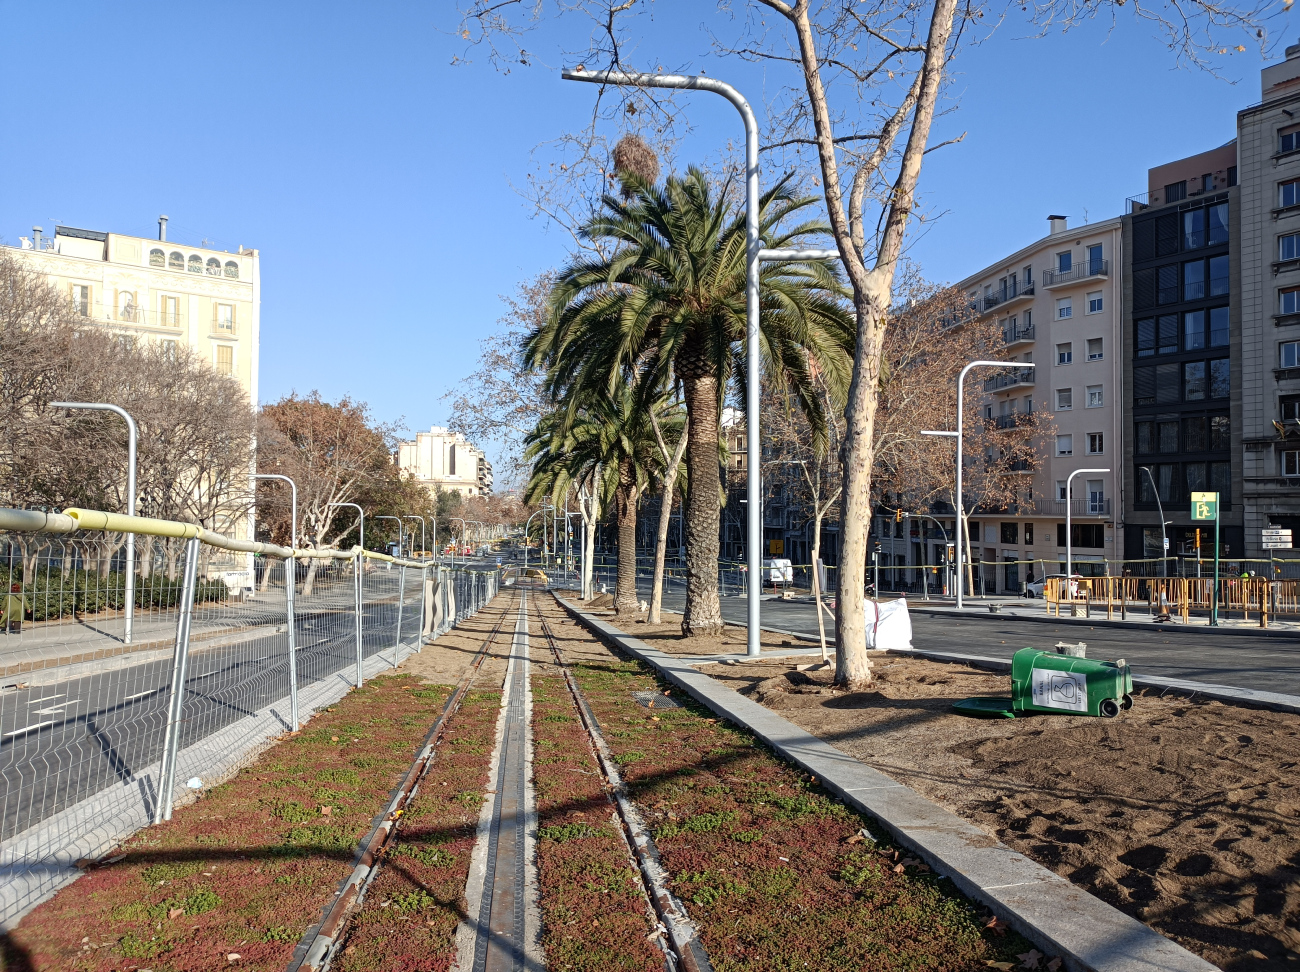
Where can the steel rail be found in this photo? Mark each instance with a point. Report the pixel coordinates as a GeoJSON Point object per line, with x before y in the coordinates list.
{"type": "Point", "coordinates": [678, 937]}
{"type": "Point", "coordinates": [320, 944]}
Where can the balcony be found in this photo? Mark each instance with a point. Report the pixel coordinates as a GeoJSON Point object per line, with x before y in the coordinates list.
{"type": "Point", "coordinates": [1077, 273]}
{"type": "Point", "coordinates": [1079, 507]}
{"type": "Point", "coordinates": [1003, 296]}
{"type": "Point", "coordinates": [1012, 420]}
{"type": "Point", "coordinates": [1012, 336]}
{"type": "Point", "coordinates": [1009, 379]}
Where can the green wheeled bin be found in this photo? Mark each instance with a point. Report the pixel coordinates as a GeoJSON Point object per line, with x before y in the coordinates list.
{"type": "Point", "coordinates": [1043, 681]}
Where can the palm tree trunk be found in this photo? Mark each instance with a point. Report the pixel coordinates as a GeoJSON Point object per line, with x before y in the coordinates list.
{"type": "Point", "coordinates": [703, 613]}
{"type": "Point", "coordinates": [665, 517]}
{"type": "Point", "coordinates": [625, 600]}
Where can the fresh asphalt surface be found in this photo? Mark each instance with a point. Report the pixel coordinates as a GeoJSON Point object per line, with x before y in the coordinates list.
{"type": "Point", "coordinates": [1263, 662]}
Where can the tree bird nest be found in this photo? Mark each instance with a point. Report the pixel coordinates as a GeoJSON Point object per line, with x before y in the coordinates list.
{"type": "Point", "coordinates": [633, 155]}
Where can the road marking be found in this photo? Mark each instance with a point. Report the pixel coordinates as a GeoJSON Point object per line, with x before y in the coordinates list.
{"type": "Point", "coordinates": [47, 698]}
{"type": "Point", "coordinates": [57, 708]}
{"type": "Point", "coordinates": [140, 695]}
{"type": "Point", "coordinates": [27, 729]}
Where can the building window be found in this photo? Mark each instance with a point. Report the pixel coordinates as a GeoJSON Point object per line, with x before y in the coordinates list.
{"type": "Point", "coordinates": [1194, 336]}
{"type": "Point", "coordinates": [1176, 191]}
{"type": "Point", "coordinates": [1194, 439]}
{"type": "Point", "coordinates": [1167, 436]}
{"type": "Point", "coordinates": [1094, 349]}
{"type": "Point", "coordinates": [1010, 532]}
{"type": "Point", "coordinates": [225, 359]}
{"type": "Point", "coordinates": [213, 267]}
{"type": "Point", "coordinates": [1029, 276]}
{"type": "Point", "coordinates": [157, 258]}
{"type": "Point", "coordinates": [195, 263]}
{"type": "Point", "coordinates": [1288, 247]}
{"type": "Point", "coordinates": [1064, 399]}
{"type": "Point", "coordinates": [1288, 193]}
{"type": "Point", "coordinates": [169, 310]}
{"type": "Point", "coordinates": [1232, 176]}
{"type": "Point", "coordinates": [1064, 261]}
{"type": "Point", "coordinates": [1144, 438]}
{"type": "Point", "coordinates": [81, 299]}
{"type": "Point", "coordinates": [175, 261]}
{"type": "Point", "coordinates": [1065, 445]}
{"type": "Point", "coordinates": [1289, 406]}
{"type": "Point", "coordinates": [1064, 353]}
{"type": "Point", "coordinates": [1288, 138]}
{"type": "Point", "coordinates": [1289, 354]}
{"type": "Point", "coordinates": [1095, 262]}
{"type": "Point", "coordinates": [1291, 464]}
{"type": "Point", "coordinates": [1194, 381]}
{"type": "Point", "coordinates": [1220, 378]}
{"type": "Point", "coordinates": [1094, 396]}
{"type": "Point", "coordinates": [1064, 308]}
{"type": "Point", "coordinates": [1220, 433]}
{"type": "Point", "coordinates": [1094, 302]}
{"type": "Point", "coordinates": [1194, 280]}
{"type": "Point", "coordinates": [1095, 443]}
{"type": "Point", "coordinates": [1218, 276]}
{"type": "Point", "coordinates": [169, 351]}
{"type": "Point", "coordinates": [225, 317]}
{"type": "Point", "coordinates": [1288, 301]}
{"type": "Point", "coordinates": [1167, 284]}
{"type": "Point", "coordinates": [1218, 224]}
{"type": "Point", "coordinates": [232, 269]}
{"type": "Point", "coordinates": [1219, 327]}
{"type": "Point", "coordinates": [1060, 491]}
{"type": "Point", "coordinates": [126, 306]}
{"type": "Point", "coordinates": [1193, 229]}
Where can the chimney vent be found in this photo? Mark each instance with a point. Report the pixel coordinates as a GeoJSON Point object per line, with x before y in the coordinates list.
{"type": "Point", "coordinates": [1056, 224]}
{"type": "Point", "coordinates": [162, 229]}
{"type": "Point", "coordinates": [36, 237]}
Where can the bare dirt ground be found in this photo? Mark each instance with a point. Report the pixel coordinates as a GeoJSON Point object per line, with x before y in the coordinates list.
{"type": "Point", "coordinates": [1183, 813]}
{"type": "Point", "coordinates": [445, 660]}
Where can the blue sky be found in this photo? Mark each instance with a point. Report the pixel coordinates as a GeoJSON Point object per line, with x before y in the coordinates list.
{"type": "Point", "coordinates": [375, 177]}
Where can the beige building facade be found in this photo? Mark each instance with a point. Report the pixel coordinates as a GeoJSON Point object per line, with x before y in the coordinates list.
{"type": "Point", "coordinates": [1059, 302]}
{"type": "Point", "coordinates": [152, 290]}
{"type": "Point", "coordinates": [444, 459]}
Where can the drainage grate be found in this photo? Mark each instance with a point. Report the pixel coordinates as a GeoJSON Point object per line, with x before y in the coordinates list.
{"type": "Point", "coordinates": [655, 700]}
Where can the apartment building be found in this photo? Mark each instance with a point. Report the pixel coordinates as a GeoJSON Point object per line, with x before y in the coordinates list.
{"type": "Point", "coordinates": [1183, 370]}
{"type": "Point", "coordinates": [444, 459]}
{"type": "Point", "coordinates": [1268, 160]}
{"type": "Point", "coordinates": [1059, 302]}
{"type": "Point", "coordinates": [154, 290]}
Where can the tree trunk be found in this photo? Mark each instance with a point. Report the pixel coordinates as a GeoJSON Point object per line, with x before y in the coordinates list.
{"type": "Point", "coordinates": [703, 613]}
{"type": "Point", "coordinates": [816, 574]}
{"type": "Point", "coordinates": [852, 667]}
{"type": "Point", "coordinates": [665, 518]}
{"type": "Point", "coordinates": [625, 599]}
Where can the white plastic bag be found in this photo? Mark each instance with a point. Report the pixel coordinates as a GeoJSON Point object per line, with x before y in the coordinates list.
{"type": "Point", "coordinates": [888, 625]}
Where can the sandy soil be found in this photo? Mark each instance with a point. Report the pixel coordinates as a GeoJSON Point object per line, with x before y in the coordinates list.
{"type": "Point", "coordinates": [445, 660]}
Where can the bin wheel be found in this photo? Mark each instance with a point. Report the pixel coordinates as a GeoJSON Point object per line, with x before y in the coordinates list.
{"type": "Point", "coordinates": [1108, 708]}
{"type": "Point", "coordinates": [1126, 702]}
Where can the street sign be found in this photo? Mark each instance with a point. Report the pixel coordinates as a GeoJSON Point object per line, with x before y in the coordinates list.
{"type": "Point", "coordinates": [1276, 538]}
{"type": "Point", "coordinates": [1275, 532]}
{"type": "Point", "coordinates": [1205, 506]}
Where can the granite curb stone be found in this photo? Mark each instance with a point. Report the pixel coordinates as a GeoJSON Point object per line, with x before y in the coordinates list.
{"type": "Point", "coordinates": [1056, 916]}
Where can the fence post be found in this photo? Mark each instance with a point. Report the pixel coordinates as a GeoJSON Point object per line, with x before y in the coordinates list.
{"type": "Point", "coordinates": [180, 660]}
{"type": "Point", "coordinates": [290, 585]}
{"type": "Point", "coordinates": [401, 596]}
{"type": "Point", "coordinates": [424, 605]}
{"type": "Point", "coordinates": [356, 582]}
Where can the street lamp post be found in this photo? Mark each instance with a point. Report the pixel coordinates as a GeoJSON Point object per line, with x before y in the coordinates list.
{"type": "Point", "coordinates": [526, 522]}
{"type": "Point", "coordinates": [290, 586]}
{"type": "Point", "coordinates": [462, 538]}
{"type": "Point", "coordinates": [423, 536]}
{"type": "Point", "coordinates": [1164, 537]}
{"type": "Point", "coordinates": [129, 616]}
{"type": "Point", "coordinates": [962, 532]}
{"type": "Point", "coordinates": [1069, 570]}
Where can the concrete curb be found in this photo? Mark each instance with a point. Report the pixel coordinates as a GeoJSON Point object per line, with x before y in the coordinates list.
{"type": "Point", "coordinates": [1163, 626]}
{"type": "Point", "coordinates": [1059, 918]}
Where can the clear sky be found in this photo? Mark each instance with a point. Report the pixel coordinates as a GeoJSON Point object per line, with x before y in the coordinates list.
{"type": "Point", "coordinates": [375, 177]}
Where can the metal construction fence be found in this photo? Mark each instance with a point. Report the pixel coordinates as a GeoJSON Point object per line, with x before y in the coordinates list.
{"type": "Point", "coordinates": [117, 699]}
{"type": "Point", "coordinates": [1248, 598]}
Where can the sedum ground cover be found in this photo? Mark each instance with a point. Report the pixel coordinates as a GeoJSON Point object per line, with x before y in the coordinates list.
{"type": "Point", "coordinates": [778, 875]}
{"type": "Point", "coordinates": [237, 878]}
{"type": "Point", "coordinates": [409, 917]}
{"type": "Point", "coordinates": [594, 911]}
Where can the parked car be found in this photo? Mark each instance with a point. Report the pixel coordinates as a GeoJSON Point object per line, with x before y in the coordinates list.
{"type": "Point", "coordinates": [1035, 588]}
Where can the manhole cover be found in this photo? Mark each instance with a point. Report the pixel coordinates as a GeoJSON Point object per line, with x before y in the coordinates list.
{"type": "Point", "coordinates": [655, 700]}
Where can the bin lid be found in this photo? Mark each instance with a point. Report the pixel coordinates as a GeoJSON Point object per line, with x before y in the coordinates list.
{"type": "Point", "coordinates": [985, 707]}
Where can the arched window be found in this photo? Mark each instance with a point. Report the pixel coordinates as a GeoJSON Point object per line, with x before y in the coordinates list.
{"type": "Point", "coordinates": [213, 267]}
{"type": "Point", "coordinates": [157, 258]}
{"type": "Point", "coordinates": [196, 263]}
{"type": "Point", "coordinates": [176, 261]}
{"type": "Point", "coordinates": [232, 269]}
{"type": "Point", "coordinates": [126, 306]}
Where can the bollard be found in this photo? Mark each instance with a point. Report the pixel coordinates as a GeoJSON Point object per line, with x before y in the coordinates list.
{"type": "Point", "coordinates": [180, 661]}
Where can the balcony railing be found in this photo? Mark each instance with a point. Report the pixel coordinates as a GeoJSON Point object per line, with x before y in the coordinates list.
{"type": "Point", "coordinates": [1012, 420]}
{"type": "Point", "coordinates": [1004, 294]}
{"type": "Point", "coordinates": [1080, 271]}
{"type": "Point", "coordinates": [1009, 379]}
{"type": "Point", "coordinates": [1018, 335]}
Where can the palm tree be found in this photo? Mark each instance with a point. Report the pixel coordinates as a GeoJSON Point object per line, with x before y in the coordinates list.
{"type": "Point", "coordinates": [609, 442]}
{"type": "Point", "coordinates": [668, 305]}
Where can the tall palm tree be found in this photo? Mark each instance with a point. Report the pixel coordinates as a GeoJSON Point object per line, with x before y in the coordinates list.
{"type": "Point", "coordinates": [607, 440]}
{"type": "Point", "coordinates": [669, 301]}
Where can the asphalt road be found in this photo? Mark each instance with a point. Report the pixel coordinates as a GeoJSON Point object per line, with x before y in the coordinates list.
{"type": "Point", "coordinates": [1245, 660]}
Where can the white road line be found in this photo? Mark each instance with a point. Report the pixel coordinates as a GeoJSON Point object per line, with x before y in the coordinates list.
{"type": "Point", "coordinates": [47, 698]}
{"type": "Point", "coordinates": [27, 729]}
{"type": "Point", "coordinates": [140, 695]}
{"type": "Point", "coordinates": [58, 708]}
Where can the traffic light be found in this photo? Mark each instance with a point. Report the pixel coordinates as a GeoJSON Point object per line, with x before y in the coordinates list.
{"type": "Point", "coordinates": [875, 551]}
{"type": "Point", "coordinates": [1198, 540]}
{"type": "Point", "coordinates": [898, 516]}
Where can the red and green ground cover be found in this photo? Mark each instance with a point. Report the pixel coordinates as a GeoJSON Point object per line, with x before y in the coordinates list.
{"type": "Point", "coordinates": [777, 874]}
{"type": "Point", "coordinates": [594, 911]}
{"type": "Point", "coordinates": [247, 869]}
{"type": "Point", "coordinates": [409, 917]}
